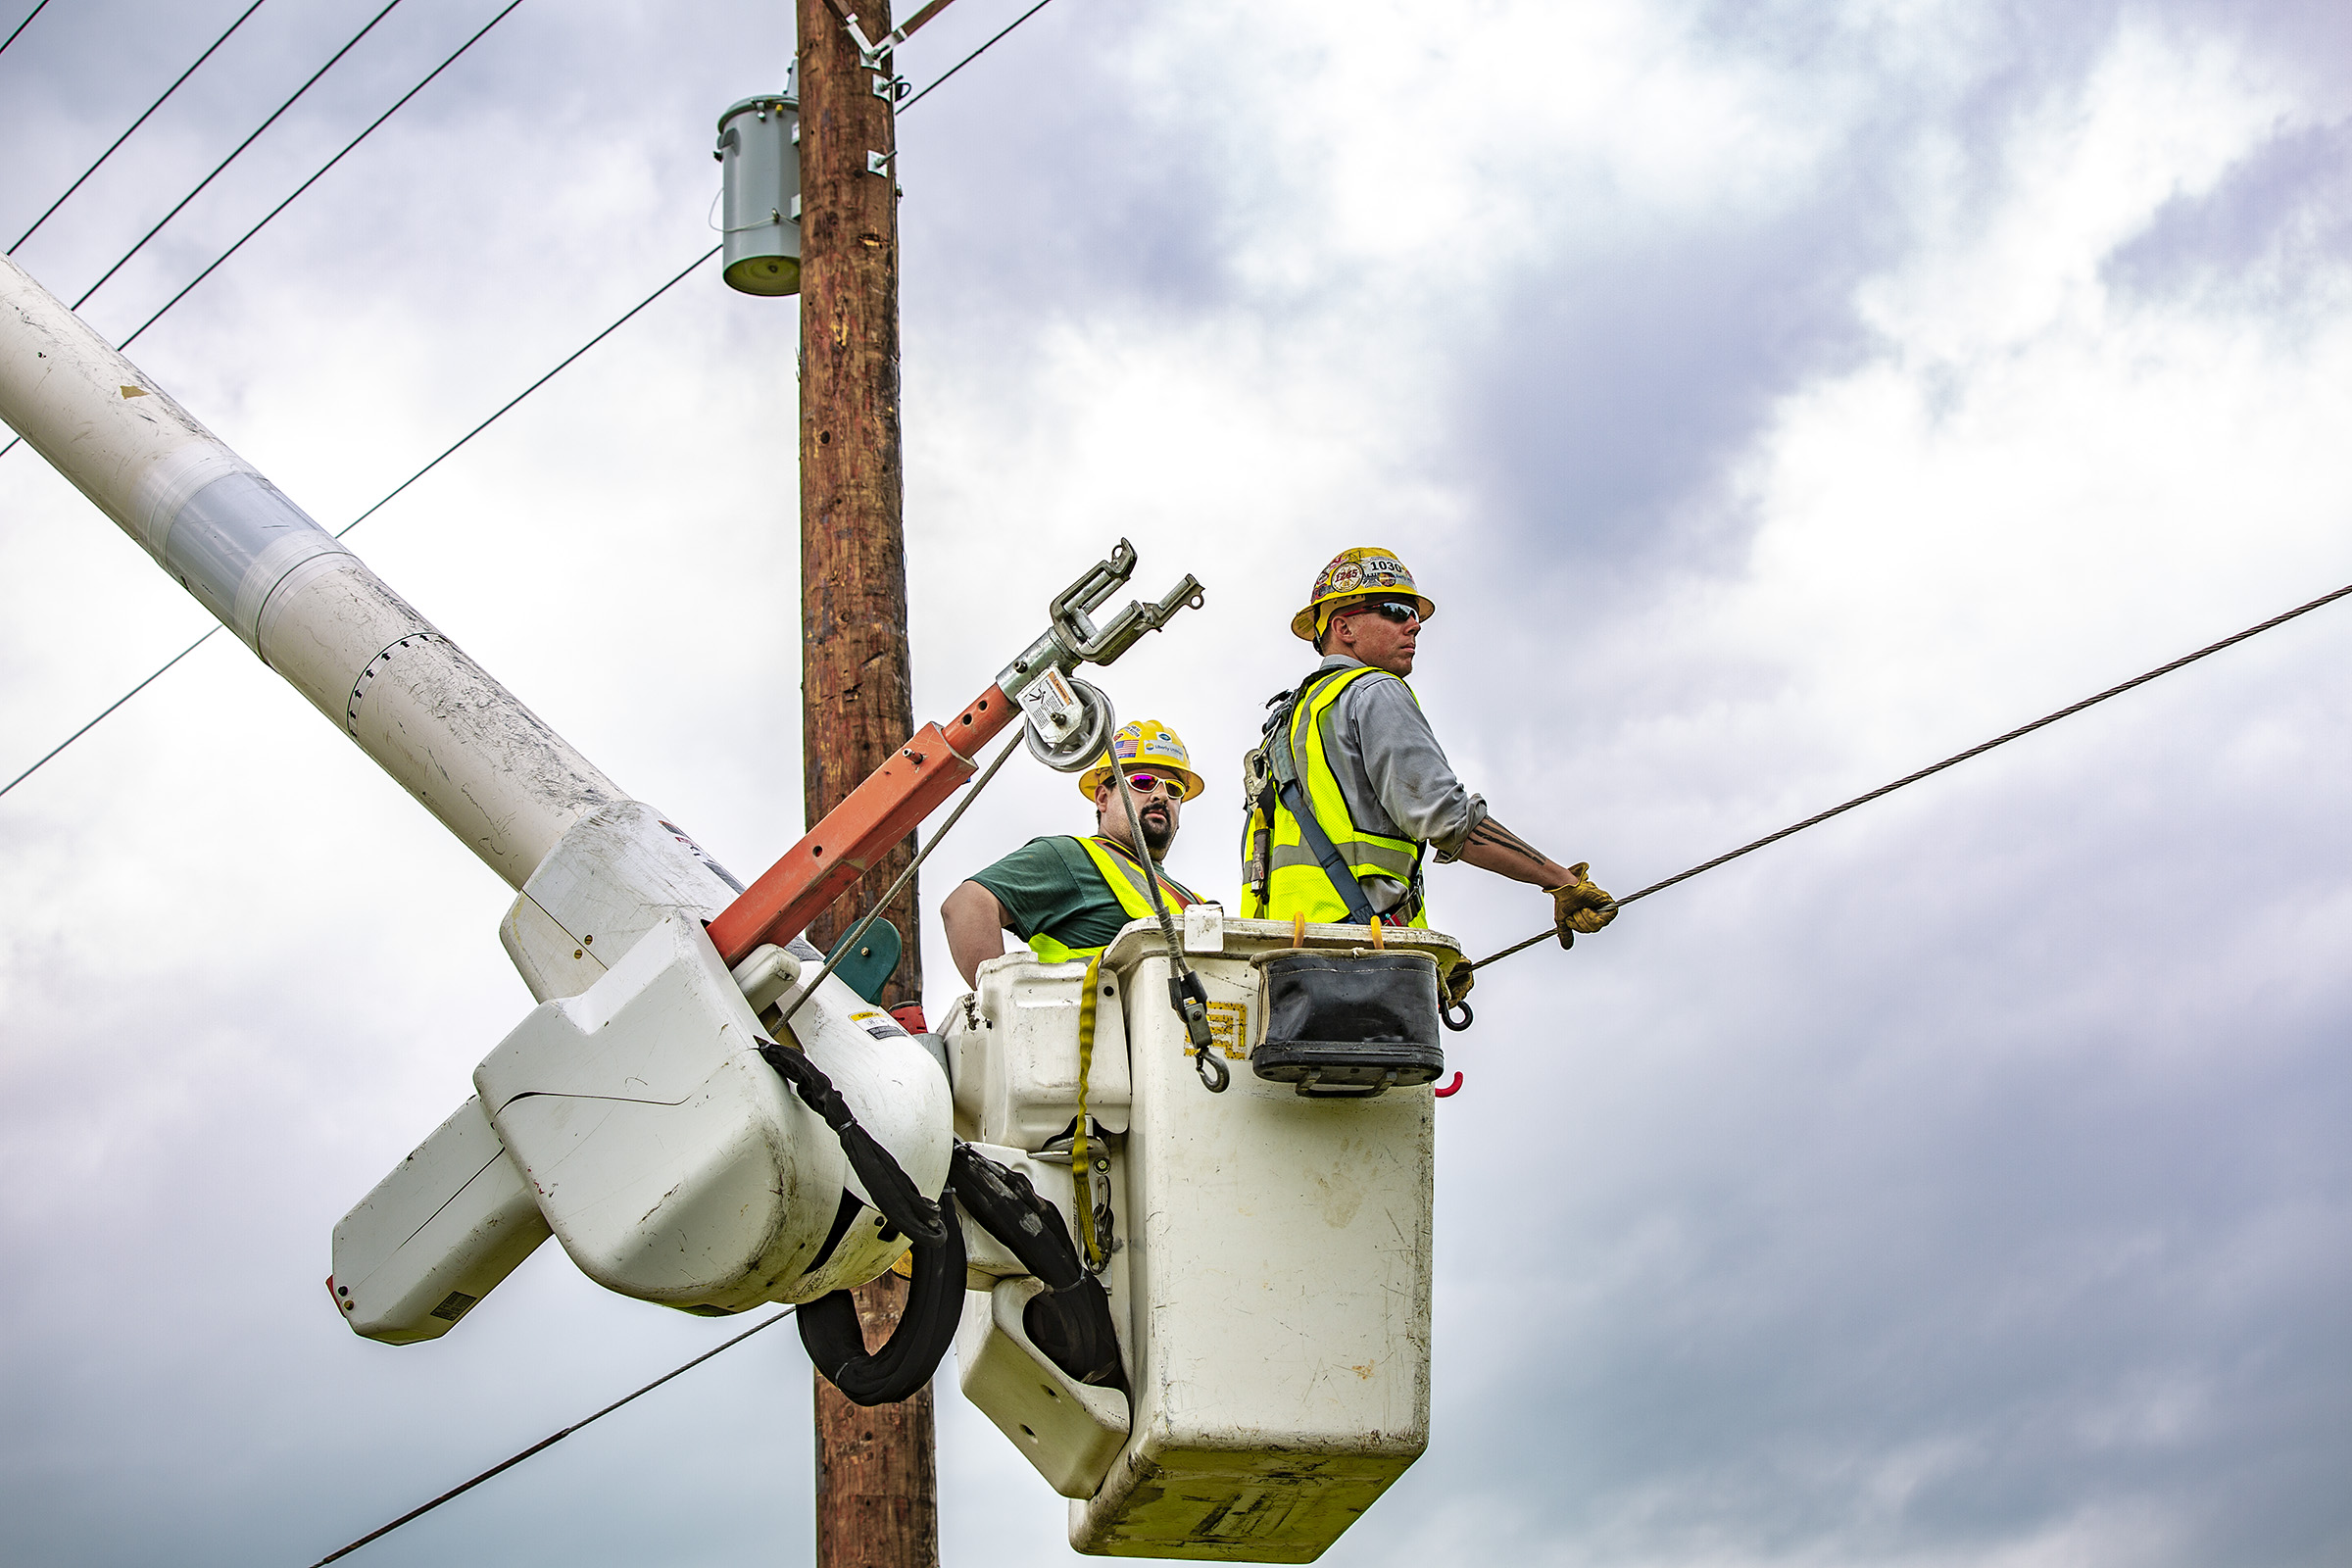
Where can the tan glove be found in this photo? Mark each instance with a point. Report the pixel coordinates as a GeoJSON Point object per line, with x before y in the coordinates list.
{"type": "Point", "coordinates": [1579, 906]}
{"type": "Point", "coordinates": [1459, 981]}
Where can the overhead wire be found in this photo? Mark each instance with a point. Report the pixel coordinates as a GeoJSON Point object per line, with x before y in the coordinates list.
{"type": "Point", "coordinates": [322, 173]}
{"type": "Point", "coordinates": [477, 430]}
{"type": "Point", "coordinates": [942, 80]}
{"type": "Point", "coordinates": [308, 84]}
{"type": "Point", "coordinates": [21, 25]}
{"type": "Point", "coordinates": [548, 1442]}
{"type": "Point", "coordinates": [1952, 760]}
{"type": "Point", "coordinates": [135, 125]}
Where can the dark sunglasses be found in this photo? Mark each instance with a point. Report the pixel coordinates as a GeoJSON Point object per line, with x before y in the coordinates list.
{"type": "Point", "coordinates": [1399, 610]}
{"type": "Point", "coordinates": [1146, 783]}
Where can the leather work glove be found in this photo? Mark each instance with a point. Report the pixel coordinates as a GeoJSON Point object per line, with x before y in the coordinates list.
{"type": "Point", "coordinates": [1579, 906]}
{"type": "Point", "coordinates": [1459, 981]}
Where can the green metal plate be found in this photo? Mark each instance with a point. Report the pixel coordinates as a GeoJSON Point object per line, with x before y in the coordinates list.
{"type": "Point", "coordinates": [868, 968]}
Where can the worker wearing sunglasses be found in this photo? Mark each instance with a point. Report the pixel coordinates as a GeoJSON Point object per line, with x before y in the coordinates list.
{"type": "Point", "coordinates": [1065, 896]}
{"type": "Point", "coordinates": [1350, 791]}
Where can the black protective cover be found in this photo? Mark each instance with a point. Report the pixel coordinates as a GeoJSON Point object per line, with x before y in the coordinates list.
{"type": "Point", "coordinates": [830, 1332]}
{"type": "Point", "coordinates": [1345, 1022]}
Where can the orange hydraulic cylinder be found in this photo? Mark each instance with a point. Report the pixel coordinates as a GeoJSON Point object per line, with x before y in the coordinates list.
{"type": "Point", "coordinates": [859, 831]}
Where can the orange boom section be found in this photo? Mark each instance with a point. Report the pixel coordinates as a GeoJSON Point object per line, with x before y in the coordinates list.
{"type": "Point", "coordinates": [854, 835]}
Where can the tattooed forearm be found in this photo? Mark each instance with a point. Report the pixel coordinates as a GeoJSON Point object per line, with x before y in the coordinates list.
{"type": "Point", "coordinates": [1494, 833]}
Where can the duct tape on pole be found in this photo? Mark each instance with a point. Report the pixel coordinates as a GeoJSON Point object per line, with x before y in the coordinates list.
{"type": "Point", "coordinates": [759, 159]}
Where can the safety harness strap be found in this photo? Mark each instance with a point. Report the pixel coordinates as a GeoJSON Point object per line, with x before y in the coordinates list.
{"type": "Point", "coordinates": [1327, 854]}
{"type": "Point", "coordinates": [1293, 800]}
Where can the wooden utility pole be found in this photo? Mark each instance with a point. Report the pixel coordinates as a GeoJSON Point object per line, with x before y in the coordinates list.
{"type": "Point", "coordinates": [877, 1485]}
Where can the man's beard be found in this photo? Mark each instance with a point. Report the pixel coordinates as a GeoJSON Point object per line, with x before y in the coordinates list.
{"type": "Point", "coordinates": [1159, 831]}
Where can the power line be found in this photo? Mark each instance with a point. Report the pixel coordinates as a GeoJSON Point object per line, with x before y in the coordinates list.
{"type": "Point", "coordinates": [321, 174]}
{"type": "Point", "coordinates": [546, 1441]}
{"type": "Point", "coordinates": [1954, 761]}
{"type": "Point", "coordinates": [26, 23]}
{"type": "Point", "coordinates": [2067, 711]}
{"type": "Point", "coordinates": [233, 156]}
{"type": "Point", "coordinates": [108, 709]}
{"type": "Point", "coordinates": [134, 124]}
{"type": "Point", "coordinates": [502, 410]}
{"type": "Point", "coordinates": [533, 387]}
{"type": "Point", "coordinates": [297, 190]}
{"type": "Point", "coordinates": [974, 55]}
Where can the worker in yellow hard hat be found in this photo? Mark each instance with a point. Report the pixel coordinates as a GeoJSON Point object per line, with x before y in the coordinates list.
{"type": "Point", "coordinates": [1350, 791]}
{"type": "Point", "coordinates": [1067, 896]}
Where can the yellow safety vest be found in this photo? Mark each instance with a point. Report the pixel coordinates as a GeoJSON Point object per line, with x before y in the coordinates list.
{"type": "Point", "coordinates": [1296, 882]}
{"type": "Point", "coordinates": [1123, 875]}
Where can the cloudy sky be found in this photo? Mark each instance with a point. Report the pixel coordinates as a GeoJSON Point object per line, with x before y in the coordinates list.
{"type": "Point", "coordinates": [1774, 397]}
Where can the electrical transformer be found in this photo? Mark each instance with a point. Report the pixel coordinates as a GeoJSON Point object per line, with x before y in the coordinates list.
{"type": "Point", "coordinates": [759, 161]}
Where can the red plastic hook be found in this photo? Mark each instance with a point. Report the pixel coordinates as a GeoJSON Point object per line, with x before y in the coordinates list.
{"type": "Point", "coordinates": [1453, 1087]}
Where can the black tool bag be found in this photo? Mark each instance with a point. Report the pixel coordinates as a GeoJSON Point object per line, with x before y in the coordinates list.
{"type": "Point", "coordinates": [1349, 1025]}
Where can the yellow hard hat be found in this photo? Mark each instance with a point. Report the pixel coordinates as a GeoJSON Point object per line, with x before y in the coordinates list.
{"type": "Point", "coordinates": [1352, 574]}
{"type": "Point", "coordinates": [1147, 744]}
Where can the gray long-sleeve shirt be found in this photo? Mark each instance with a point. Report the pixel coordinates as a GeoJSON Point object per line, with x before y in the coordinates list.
{"type": "Point", "coordinates": [1394, 774]}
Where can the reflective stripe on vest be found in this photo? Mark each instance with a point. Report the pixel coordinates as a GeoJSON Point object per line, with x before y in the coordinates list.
{"type": "Point", "coordinates": [1124, 877]}
{"type": "Point", "coordinates": [1296, 882]}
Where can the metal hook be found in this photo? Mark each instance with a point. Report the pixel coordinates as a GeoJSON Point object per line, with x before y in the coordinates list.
{"type": "Point", "coordinates": [1451, 1088]}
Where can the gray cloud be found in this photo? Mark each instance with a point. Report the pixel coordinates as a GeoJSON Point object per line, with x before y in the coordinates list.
{"type": "Point", "coordinates": [2279, 218]}
{"type": "Point", "coordinates": [1960, 1183]}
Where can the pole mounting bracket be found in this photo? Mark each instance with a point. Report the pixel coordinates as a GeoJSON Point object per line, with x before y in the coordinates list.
{"type": "Point", "coordinates": [871, 54]}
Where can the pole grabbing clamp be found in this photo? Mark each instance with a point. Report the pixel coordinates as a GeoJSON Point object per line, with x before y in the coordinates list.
{"type": "Point", "coordinates": [1077, 633]}
{"type": "Point", "coordinates": [1073, 639]}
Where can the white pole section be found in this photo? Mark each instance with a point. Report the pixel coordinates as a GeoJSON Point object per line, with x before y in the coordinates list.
{"type": "Point", "coordinates": [483, 763]}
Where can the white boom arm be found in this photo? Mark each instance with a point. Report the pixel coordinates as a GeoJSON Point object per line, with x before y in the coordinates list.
{"type": "Point", "coordinates": [483, 763]}
{"type": "Point", "coordinates": [712, 1192]}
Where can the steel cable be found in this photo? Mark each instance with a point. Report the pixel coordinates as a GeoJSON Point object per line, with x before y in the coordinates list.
{"type": "Point", "coordinates": [21, 25]}
{"type": "Point", "coordinates": [548, 1442]}
{"type": "Point", "coordinates": [1954, 760]}
{"type": "Point", "coordinates": [321, 174]}
{"type": "Point", "coordinates": [841, 950]}
{"type": "Point", "coordinates": [942, 80]}
{"type": "Point", "coordinates": [134, 124]}
{"type": "Point", "coordinates": [186, 289]}
{"type": "Point", "coordinates": [236, 153]}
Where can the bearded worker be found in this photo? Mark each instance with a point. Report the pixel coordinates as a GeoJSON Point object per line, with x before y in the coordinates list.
{"type": "Point", "coordinates": [1067, 896]}
{"type": "Point", "coordinates": [1350, 791]}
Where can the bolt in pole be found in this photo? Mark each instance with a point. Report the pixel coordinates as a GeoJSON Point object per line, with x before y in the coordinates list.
{"type": "Point", "coordinates": [877, 1492]}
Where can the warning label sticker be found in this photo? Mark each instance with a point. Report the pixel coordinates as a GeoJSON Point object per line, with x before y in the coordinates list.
{"type": "Point", "coordinates": [1229, 1027]}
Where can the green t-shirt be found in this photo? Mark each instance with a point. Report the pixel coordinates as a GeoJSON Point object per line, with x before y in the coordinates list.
{"type": "Point", "coordinates": [1049, 885]}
